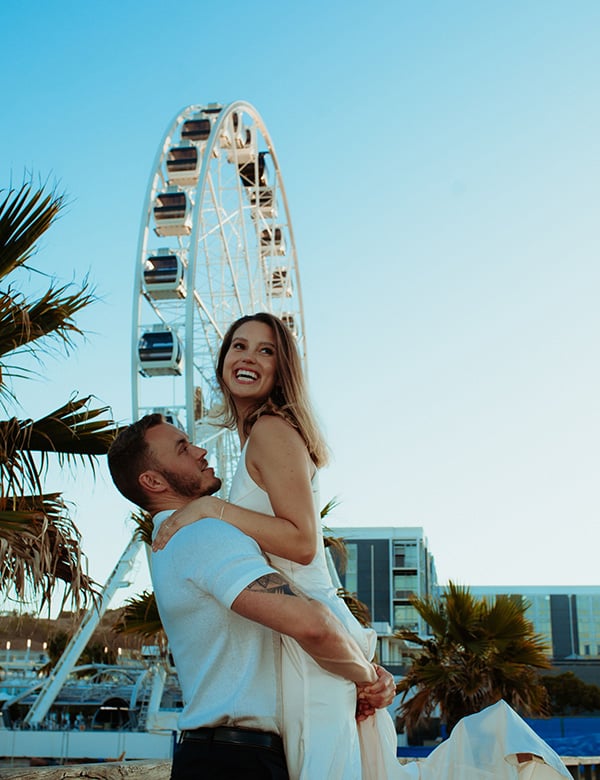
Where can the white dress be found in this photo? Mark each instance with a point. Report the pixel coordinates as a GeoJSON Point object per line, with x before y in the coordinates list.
{"type": "Point", "coordinates": [321, 736]}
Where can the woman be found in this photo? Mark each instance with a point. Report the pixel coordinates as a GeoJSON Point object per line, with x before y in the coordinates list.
{"type": "Point", "coordinates": [274, 499]}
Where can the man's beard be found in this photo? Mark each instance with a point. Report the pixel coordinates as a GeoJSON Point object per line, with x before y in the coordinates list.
{"type": "Point", "coordinates": [190, 487]}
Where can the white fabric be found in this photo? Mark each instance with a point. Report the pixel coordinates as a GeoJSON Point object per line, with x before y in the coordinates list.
{"type": "Point", "coordinates": [319, 729]}
{"type": "Point", "coordinates": [225, 664]}
{"type": "Point", "coordinates": [486, 745]}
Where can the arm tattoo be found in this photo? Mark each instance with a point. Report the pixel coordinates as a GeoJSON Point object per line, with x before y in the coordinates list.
{"type": "Point", "coordinates": [272, 583]}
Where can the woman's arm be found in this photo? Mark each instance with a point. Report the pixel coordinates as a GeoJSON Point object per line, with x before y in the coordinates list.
{"type": "Point", "coordinates": [278, 462]}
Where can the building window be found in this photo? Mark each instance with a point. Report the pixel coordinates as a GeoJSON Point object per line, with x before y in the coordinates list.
{"type": "Point", "coordinates": [405, 585]}
{"type": "Point", "coordinates": [406, 616]}
{"type": "Point", "coordinates": [351, 578]}
{"type": "Point", "coordinates": [405, 555]}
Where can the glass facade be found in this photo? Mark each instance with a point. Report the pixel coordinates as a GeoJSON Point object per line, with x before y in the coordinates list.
{"type": "Point", "coordinates": [405, 585]}
{"type": "Point", "coordinates": [406, 616]}
{"type": "Point", "coordinates": [405, 555]}
{"type": "Point", "coordinates": [386, 567]}
{"type": "Point", "coordinates": [351, 584]}
{"type": "Point", "coordinates": [568, 619]}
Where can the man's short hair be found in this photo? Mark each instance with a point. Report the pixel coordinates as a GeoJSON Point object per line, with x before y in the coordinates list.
{"type": "Point", "coordinates": [129, 456]}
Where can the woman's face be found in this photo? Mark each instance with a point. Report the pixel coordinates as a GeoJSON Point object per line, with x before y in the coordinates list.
{"type": "Point", "coordinates": [250, 365]}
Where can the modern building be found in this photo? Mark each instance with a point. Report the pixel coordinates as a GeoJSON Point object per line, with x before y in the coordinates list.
{"type": "Point", "coordinates": [567, 617]}
{"type": "Point", "coordinates": [385, 567]}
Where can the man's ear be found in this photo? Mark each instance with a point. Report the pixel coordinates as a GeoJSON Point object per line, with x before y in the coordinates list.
{"type": "Point", "coordinates": [152, 481]}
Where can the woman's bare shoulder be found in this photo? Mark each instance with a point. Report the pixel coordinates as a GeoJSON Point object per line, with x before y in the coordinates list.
{"type": "Point", "coordinates": [273, 426]}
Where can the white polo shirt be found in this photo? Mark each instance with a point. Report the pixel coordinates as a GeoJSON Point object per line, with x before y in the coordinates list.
{"type": "Point", "coordinates": [228, 666]}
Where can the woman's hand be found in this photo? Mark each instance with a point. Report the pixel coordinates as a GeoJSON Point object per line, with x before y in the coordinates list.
{"type": "Point", "coordinates": [197, 509]}
{"type": "Point", "coordinates": [377, 695]}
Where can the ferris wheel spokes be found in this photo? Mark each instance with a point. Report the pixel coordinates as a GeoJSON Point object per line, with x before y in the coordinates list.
{"type": "Point", "coordinates": [215, 243]}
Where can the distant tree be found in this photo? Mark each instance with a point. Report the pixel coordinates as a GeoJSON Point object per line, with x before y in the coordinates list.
{"type": "Point", "coordinates": [140, 617]}
{"type": "Point", "coordinates": [56, 646]}
{"type": "Point", "coordinates": [39, 542]}
{"type": "Point", "coordinates": [94, 653]}
{"type": "Point", "coordinates": [569, 695]}
{"type": "Point", "coordinates": [479, 653]}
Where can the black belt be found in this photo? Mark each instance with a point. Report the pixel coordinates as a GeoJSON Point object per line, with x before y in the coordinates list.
{"type": "Point", "coordinates": [232, 736]}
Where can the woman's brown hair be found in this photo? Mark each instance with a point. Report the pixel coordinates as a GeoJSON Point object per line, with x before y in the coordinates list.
{"type": "Point", "coordinates": [289, 398]}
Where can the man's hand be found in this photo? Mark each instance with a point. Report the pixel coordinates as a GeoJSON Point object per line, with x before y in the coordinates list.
{"type": "Point", "coordinates": [375, 696]}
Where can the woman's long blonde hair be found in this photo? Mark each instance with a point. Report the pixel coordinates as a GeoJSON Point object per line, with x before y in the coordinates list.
{"type": "Point", "coordinates": [289, 397]}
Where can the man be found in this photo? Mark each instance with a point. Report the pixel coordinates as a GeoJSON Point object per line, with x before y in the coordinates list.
{"type": "Point", "coordinates": [209, 582]}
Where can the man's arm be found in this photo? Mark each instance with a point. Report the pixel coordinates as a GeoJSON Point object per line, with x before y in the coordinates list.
{"type": "Point", "coordinates": [274, 602]}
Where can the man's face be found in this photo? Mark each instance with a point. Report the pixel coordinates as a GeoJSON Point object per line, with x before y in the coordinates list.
{"type": "Point", "coordinates": [181, 463]}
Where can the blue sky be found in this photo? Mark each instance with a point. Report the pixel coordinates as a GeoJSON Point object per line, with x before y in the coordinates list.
{"type": "Point", "coordinates": [441, 162]}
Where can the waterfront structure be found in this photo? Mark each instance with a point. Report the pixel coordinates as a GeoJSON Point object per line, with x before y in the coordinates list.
{"type": "Point", "coordinates": [385, 567]}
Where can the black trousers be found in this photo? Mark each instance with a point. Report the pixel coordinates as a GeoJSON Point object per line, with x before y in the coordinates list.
{"type": "Point", "coordinates": [223, 761]}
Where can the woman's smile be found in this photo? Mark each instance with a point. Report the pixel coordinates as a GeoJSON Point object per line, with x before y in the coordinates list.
{"type": "Point", "coordinates": [250, 366]}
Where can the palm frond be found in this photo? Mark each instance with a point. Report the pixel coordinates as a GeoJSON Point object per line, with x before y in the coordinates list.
{"type": "Point", "coordinates": [336, 545]}
{"type": "Point", "coordinates": [329, 507]}
{"type": "Point", "coordinates": [145, 526]}
{"type": "Point", "coordinates": [339, 551]}
{"type": "Point", "coordinates": [23, 322]}
{"type": "Point", "coordinates": [74, 431]}
{"type": "Point", "coordinates": [140, 616]}
{"type": "Point", "coordinates": [358, 608]}
{"type": "Point", "coordinates": [25, 215]}
{"type": "Point", "coordinates": [40, 548]}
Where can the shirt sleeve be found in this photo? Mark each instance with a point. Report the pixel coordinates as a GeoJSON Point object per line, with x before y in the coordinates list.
{"type": "Point", "coordinates": [220, 559]}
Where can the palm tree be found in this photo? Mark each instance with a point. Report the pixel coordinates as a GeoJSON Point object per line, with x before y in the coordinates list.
{"type": "Point", "coordinates": [479, 653]}
{"type": "Point", "coordinates": [39, 543]}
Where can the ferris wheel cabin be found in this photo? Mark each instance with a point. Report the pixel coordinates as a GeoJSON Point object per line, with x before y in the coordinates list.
{"type": "Point", "coordinates": [184, 162]}
{"type": "Point", "coordinates": [160, 353]}
{"type": "Point", "coordinates": [272, 241]}
{"type": "Point", "coordinates": [280, 284]}
{"type": "Point", "coordinates": [290, 322]}
{"type": "Point", "coordinates": [170, 416]}
{"type": "Point", "coordinates": [263, 200]}
{"type": "Point", "coordinates": [164, 275]}
{"type": "Point", "coordinates": [196, 129]}
{"type": "Point", "coordinates": [172, 213]}
{"type": "Point", "coordinates": [183, 165]}
{"type": "Point", "coordinates": [239, 140]}
{"type": "Point", "coordinates": [254, 172]}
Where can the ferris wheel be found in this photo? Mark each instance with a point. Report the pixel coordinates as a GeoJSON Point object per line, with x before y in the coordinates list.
{"type": "Point", "coordinates": [215, 243]}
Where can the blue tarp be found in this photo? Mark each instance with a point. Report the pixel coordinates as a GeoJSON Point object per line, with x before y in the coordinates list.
{"type": "Point", "coordinates": [567, 736]}
{"type": "Point", "coordinates": [572, 736]}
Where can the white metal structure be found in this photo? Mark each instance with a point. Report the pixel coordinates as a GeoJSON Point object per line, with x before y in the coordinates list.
{"type": "Point", "coordinates": [216, 242]}
{"type": "Point", "coordinates": [58, 676]}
